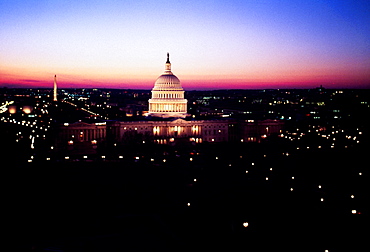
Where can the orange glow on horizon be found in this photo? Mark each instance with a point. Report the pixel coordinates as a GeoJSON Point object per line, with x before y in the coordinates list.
{"type": "Point", "coordinates": [92, 78]}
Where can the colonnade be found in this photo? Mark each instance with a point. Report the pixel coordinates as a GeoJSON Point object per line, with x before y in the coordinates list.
{"type": "Point", "coordinates": [168, 107]}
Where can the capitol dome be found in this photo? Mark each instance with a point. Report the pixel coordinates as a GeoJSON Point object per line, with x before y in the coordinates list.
{"type": "Point", "coordinates": [167, 82]}
{"type": "Point", "coordinates": [168, 95]}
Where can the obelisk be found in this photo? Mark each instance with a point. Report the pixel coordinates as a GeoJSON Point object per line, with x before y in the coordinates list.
{"type": "Point", "coordinates": [55, 88]}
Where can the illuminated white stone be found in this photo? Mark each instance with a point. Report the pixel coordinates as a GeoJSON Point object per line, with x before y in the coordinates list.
{"type": "Point", "coordinates": [168, 96]}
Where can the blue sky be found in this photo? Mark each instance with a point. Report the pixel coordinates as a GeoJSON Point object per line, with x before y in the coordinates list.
{"type": "Point", "coordinates": [248, 44]}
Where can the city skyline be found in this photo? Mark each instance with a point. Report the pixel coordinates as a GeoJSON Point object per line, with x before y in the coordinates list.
{"type": "Point", "coordinates": [213, 45]}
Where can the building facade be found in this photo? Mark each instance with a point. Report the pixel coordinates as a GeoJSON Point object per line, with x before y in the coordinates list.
{"type": "Point", "coordinates": [168, 96]}
{"type": "Point", "coordinates": [169, 125]}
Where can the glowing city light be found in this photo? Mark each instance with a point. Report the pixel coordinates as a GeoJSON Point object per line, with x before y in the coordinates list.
{"type": "Point", "coordinates": [245, 224]}
{"type": "Point", "coordinates": [354, 211]}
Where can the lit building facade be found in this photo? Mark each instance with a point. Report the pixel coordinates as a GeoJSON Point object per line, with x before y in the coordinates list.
{"type": "Point", "coordinates": [168, 96]}
{"type": "Point", "coordinates": [168, 102]}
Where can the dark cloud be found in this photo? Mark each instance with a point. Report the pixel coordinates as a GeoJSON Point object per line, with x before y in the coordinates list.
{"type": "Point", "coordinates": [29, 80]}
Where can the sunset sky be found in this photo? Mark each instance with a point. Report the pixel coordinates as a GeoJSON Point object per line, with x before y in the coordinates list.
{"type": "Point", "coordinates": [212, 44]}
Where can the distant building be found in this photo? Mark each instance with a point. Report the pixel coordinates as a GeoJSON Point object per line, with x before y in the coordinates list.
{"type": "Point", "coordinates": [168, 102]}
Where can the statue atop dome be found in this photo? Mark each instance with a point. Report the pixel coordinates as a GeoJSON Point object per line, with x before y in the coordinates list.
{"type": "Point", "coordinates": [168, 58]}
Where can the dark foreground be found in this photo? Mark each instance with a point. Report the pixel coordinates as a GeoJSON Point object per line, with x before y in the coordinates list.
{"type": "Point", "coordinates": [162, 198]}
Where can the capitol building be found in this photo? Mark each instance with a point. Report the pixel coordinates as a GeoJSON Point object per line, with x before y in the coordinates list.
{"type": "Point", "coordinates": [168, 95]}
{"type": "Point", "coordinates": [167, 122]}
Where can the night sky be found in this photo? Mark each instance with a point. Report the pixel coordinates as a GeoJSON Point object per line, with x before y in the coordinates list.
{"type": "Point", "coordinates": [213, 44]}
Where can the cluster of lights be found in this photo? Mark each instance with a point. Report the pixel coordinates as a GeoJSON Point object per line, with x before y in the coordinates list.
{"type": "Point", "coordinates": [324, 133]}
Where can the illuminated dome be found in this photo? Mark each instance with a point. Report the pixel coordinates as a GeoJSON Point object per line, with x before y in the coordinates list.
{"type": "Point", "coordinates": [167, 82]}
{"type": "Point", "coordinates": [168, 95]}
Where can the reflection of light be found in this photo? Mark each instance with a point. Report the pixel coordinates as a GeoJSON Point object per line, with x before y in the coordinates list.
{"type": "Point", "coordinates": [291, 189]}
{"type": "Point", "coordinates": [319, 186]}
{"type": "Point", "coordinates": [267, 178]}
{"type": "Point", "coordinates": [352, 196]}
{"type": "Point", "coordinates": [322, 199]}
{"type": "Point", "coordinates": [354, 211]}
{"type": "Point", "coordinates": [195, 180]}
{"type": "Point", "coordinates": [360, 173]}
{"type": "Point", "coordinates": [245, 224]}
{"type": "Point", "coordinates": [188, 204]}
{"type": "Point", "coordinates": [246, 171]}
